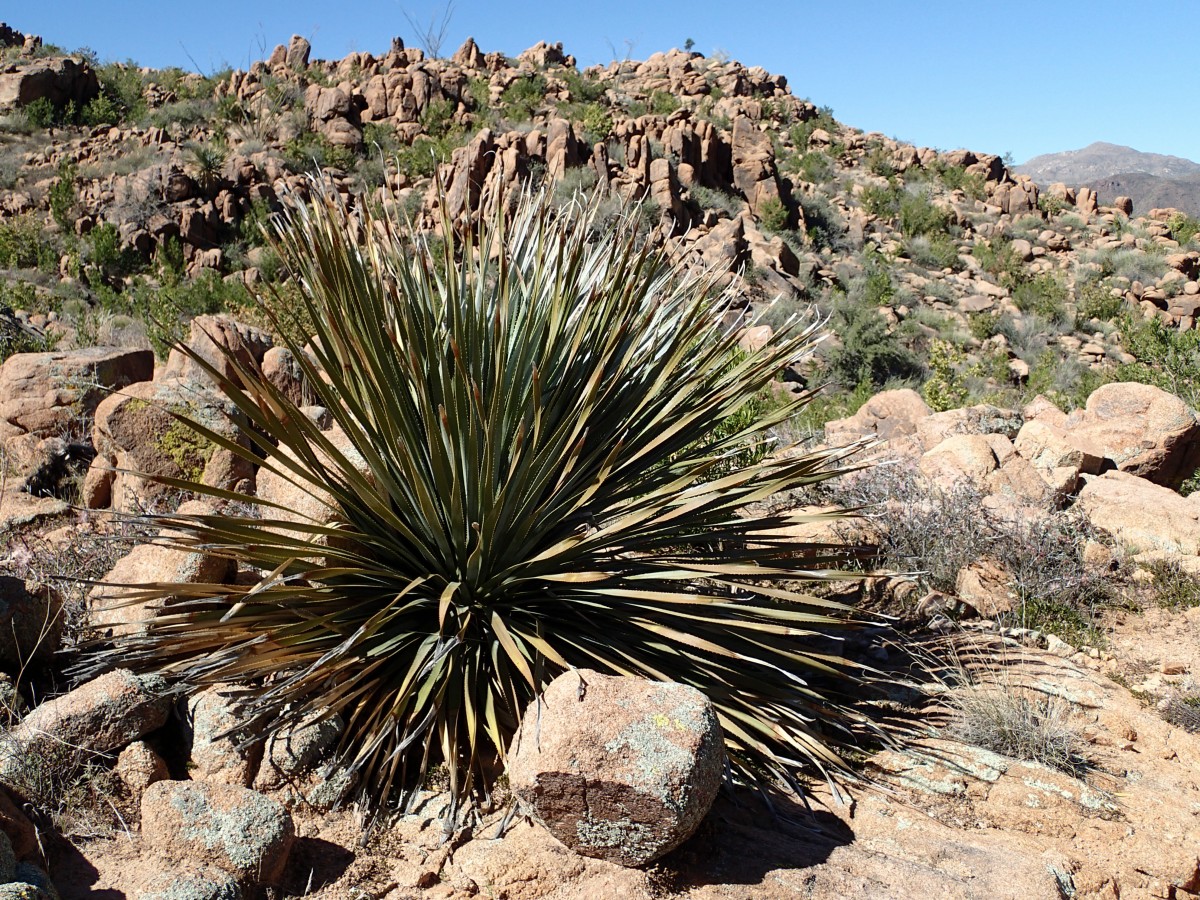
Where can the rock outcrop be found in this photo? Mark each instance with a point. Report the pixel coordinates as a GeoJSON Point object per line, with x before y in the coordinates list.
{"type": "Point", "coordinates": [618, 768]}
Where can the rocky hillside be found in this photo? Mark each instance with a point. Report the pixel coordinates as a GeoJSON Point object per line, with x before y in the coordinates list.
{"type": "Point", "coordinates": [132, 199]}
{"type": "Point", "coordinates": [1150, 180]}
{"type": "Point", "coordinates": [1027, 356]}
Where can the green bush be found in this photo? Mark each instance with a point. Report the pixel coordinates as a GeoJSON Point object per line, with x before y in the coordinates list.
{"type": "Point", "coordinates": [41, 113]}
{"type": "Point", "coordinates": [121, 87]}
{"type": "Point", "coordinates": [938, 251]}
{"type": "Point", "coordinates": [582, 88]}
{"type": "Point", "coordinates": [63, 197]}
{"type": "Point", "coordinates": [881, 201]}
{"type": "Point", "coordinates": [867, 351]}
{"type": "Point", "coordinates": [944, 389]}
{"type": "Point", "coordinates": [1183, 227]}
{"type": "Point", "coordinates": [311, 152]}
{"type": "Point", "coordinates": [663, 103]}
{"type": "Point", "coordinates": [504, 508]}
{"type": "Point", "coordinates": [22, 246]}
{"type": "Point", "coordinates": [1164, 356]}
{"type": "Point", "coordinates": [878, 161]}
{"type": "Point", "coordinates": [773, 215]}
{"type": "Point", "coordinates": [1095, 300]}
{"type": "Point", "coordinates": [521, 99]}
{"type": "Point", "coordinates": [996, 257]}
{"type": "Point", "coordinates": [956, 178]}
{"type": "Point", "coordinates": [919, 216]}
{"type": "Point", "coordinates": [1043, 294]}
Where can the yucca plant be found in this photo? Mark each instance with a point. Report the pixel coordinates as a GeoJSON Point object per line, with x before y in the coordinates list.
{"type": "Point", "coordinates": [537, 474]}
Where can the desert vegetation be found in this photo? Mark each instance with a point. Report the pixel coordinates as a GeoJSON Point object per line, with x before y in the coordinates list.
{"type": "Point", "coordinates": [351, 409]}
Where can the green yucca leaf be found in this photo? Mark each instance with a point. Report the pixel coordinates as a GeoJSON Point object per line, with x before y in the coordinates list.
{"type": "Point", "coordinates": [535, 474]}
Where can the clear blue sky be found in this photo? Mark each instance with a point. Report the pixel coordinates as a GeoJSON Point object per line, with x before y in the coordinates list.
{"type": "Point", "coordinates": [1018, 76]}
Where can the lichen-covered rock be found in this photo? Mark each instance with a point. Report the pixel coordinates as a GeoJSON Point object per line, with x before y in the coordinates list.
{"type": "Point", "coordinates": [621, 769]}
{"type": "Point", "coordinates": [29, 883]}
{"type": "Point", "coordinates": [138, 766]}
{"type": "Point", "coordinates": [1141, 515]}
{"type": "Point", "coordinates": [30, 621]}
{"type": "Point", "coordinates": [888, 416]}
{"type": "Point", "coordinates": [103, 715]}
{"type": "Point", "coordinates": [198, 883]}
{"type": "Point", "coordinates": [220, 753]}
{"type": "Point", "coordinates": [294, 751]}
{"type": "Point", "coordinates": [138, 440]}
{"type": "Point", "coordinates": [230, 827]}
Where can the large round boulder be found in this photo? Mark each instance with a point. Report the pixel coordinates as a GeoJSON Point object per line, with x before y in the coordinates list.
{"type": "Point", "coordinates": [223, 825]}
{"type": "Point", "coordinates": [1141, 429]}
{"type": "Point", "coordinates": [621, 769]}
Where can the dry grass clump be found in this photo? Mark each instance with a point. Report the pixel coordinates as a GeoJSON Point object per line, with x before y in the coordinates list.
{"type": "Point", "coordinates": [76, 791]}
{"type": "Point", "coordinates": [1009, 721]}
{"type": "Point", "coordinates": [934, 532]}
{"type": "Point", "coordinates": [1182, 709]}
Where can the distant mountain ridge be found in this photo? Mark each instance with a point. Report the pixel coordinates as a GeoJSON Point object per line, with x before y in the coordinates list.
{"type": "Point", "coordinates": [1101, 160]}
{"type": "Point", "coordinates": [1151, 180]}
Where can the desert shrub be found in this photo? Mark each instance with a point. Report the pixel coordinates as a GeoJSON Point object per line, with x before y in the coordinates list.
{"type": "Point", "coordinates": [525, 508]}
{"type": "Point", "coordinates": [934, 532]}
{"type": "Point", "coordinates": [1043, 294]}
{"type": "Point", "coordinates": [997, 258]}
{"type": "Point", "coordinates": [421, 158]}
{"type": "Point", "coordinates": [944, 388]}
{"type": "Point", "coordinates": [311, 152]}
{"type": "Point", "coordinates": [595, 123]}
{"type": "Point", "coordinates": [22, 246]}
{"type": "Point", "coordinates": [1051, 206]}
{"type": "Point", "coordinates": [1095, 300]}
{"type": "Point", "coordinates": [867, 351]}
{"type": "Point", "coordinates": [814, 167]}
{"type": "Point", "coordinates": [167, 308]}
{"type": "Point", "coordinates": [106, 253]}
{"type": "Point", "coordinates": [713, 198]}
{"type": "Point", "coordinates": [939, 251]}
{"type": "Point", "coordinates": [121, 89]}
{"type": "Point", "coordinates": [984, 325]}
{"type": "Point", "coordinates": [918, 215]}
{"type": "Point", "coordinates": [1173, 587]}
{"type": "Point", "coordinates": [479, 92]}
{"type": "Point", "coordinates": [823, 223]}
{"type": "Point", "coordinates": [773, 215]}
{"type": "Point", "coordinates": [802, 131]}
{"type": "Point", "coordinates": [15, 339]}
{"type": "Point", "coordinates": [878, 161]}
{"type": "Point", "coordinates": [956, 178]}
{"type": "Point", "coordinates": [574, 183]}
{"type": "Point", "coordinates": [1064, 379]}
{"type": "Point", "coordinates": [583, 88]}
{"type": "Point", "coordinates": [63, 197]}
{"type": "Point", "coordinates": [1183, 227]}
{"type": "Point", "coordinates": [882, 201]}
{"type": "Point", "coordinates": [521, 99]}
{"type": "Point", "coordinates": [662, 103]}
{"type": "Point", "coordinates": [75, 789]}
{"type": "Point", "coordinates": [1164, 356]}
{"type": "Point", "coordinates": [40, 113]}
{"type": "Point", "coordinates": [1132, 264]}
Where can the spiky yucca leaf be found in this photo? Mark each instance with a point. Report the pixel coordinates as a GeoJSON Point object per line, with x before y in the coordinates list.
{"type": "Point", "coordinates": [538, 481]}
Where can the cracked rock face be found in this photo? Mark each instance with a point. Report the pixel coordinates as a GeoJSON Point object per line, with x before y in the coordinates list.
{"type": "Point", "coordinates": [620, 769]}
